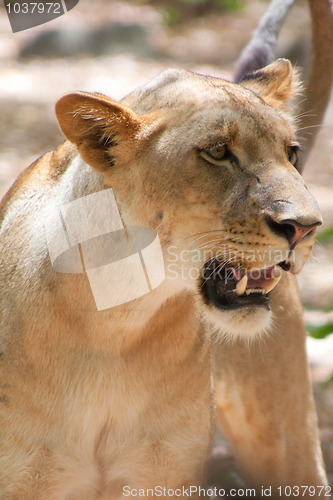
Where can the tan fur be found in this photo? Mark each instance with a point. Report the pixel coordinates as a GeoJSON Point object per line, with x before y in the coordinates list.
{"type": "Point", "coordinates": [92, 400]}
{"type": "Point", "coordinates": [265, 406]}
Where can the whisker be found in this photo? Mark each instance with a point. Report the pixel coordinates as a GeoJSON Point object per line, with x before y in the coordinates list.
{"type": "Point", "coordinates": [312, 126]}
{"type": "Point", "coordinates": [206, 233]}
{"type": "Point", "coordinates": [194, 242]}
{"type": "Point", "coordinates": [211, 243]}
{"type": "Point", "coordinates": [221, 265]}
{"type": "Point", "coordinates": [308, 112]}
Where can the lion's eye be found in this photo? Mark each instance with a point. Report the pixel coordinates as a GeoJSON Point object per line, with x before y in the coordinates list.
{"type": "Point", "coordinates": [292, 154]}
{"type": "Point", "coordinates": [215, 154]}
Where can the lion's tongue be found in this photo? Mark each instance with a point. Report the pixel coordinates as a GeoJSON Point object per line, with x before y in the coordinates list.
{"type": "Point", "coordinates": [260, 278]}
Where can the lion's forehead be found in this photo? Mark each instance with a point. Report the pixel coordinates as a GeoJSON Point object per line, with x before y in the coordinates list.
{"type": "Point", "coordinates": [240, 126]}
{"type": "Point", "coordinates": [208, 108]}
{"type": "Point", "coordinates": [228, 121]}
{"type": "Point", "coordinates": [174, 88]}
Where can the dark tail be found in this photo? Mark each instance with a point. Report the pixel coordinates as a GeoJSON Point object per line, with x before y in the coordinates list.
{"type": "Point", "coordinates": [317, 89]}
{"type": "Point", "coordinates": [260, 50]}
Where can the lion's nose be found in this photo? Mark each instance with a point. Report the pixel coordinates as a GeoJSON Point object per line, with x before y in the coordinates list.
{"type": "Point", "coordinates": [291, 229]}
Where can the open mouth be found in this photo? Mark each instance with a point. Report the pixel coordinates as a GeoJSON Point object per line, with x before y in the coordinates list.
{"type": "Point", "coordinates": [230, 287]}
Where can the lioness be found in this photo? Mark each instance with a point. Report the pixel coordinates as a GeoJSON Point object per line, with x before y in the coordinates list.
{"type": "Point", "coordinates": [102, 404]}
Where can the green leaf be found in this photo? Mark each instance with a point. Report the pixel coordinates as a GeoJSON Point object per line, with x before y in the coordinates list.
{"type": "Point", "coordinates": [172, 15]}
{"type": "Point", "coordinates": [325, 236]}
{"type": "Point", "coordinates": [321, 331]}
{"type": "Point", "coordinates": [229, 4]}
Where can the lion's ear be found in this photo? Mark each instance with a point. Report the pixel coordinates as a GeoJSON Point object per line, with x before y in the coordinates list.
{"type": "Point", "coordinates": [102, 129]}
{"type": "Point", "coordinates": [276, 84]}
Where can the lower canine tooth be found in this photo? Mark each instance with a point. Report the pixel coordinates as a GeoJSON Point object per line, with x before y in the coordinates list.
{"type": "Point", "coordinates": [241, 285]}
{"type": "Point", "coordinates": [272, 284]}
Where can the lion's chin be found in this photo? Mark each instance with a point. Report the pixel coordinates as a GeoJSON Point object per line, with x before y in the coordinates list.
{"type": "Point", "coordinates": [246, 324]}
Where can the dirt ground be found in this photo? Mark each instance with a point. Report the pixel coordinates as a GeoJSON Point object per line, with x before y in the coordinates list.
{"type": "Point", "coordinates": [112, 47]}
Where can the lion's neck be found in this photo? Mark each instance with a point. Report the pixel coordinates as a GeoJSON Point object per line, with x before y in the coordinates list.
{"type": "Point", "coordinates": [126, 323]}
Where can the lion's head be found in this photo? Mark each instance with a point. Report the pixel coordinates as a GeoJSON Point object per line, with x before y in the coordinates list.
{"type": "Point", "coordinates": [213, 167]}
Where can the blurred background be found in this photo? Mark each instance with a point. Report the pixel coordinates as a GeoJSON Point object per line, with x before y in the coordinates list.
{"type": "Point", "coordinates": [114, 46]}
